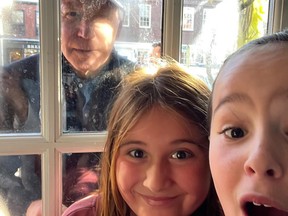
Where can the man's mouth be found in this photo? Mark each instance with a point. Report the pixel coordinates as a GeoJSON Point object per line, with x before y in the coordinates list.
{"type": "Point", "coordinates": [83, 50]}
{"type": "Point", "coordinates": [261, 209]}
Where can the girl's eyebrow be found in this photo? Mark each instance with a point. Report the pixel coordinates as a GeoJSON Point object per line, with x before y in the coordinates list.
{"type": "Point", "coordinates": [244, 98]}
{"type": "Point", "coordinates": [131, 142]}
{"type": "Point", "coordinates": [233, 98]}
{"type": "Point", "coordinates": [175, 142]}
{"type": "Point", "coordinates": [192, 142]}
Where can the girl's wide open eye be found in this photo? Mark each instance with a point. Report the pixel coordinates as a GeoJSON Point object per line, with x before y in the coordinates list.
{"type": "Point", "coordinates": [233, 132]}
{"type": "Point", "coordinates": [137, 153]}
{"type": "Point", "coordinates": [181, 155]}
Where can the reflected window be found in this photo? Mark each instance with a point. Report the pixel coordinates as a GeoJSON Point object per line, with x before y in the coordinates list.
{"type": "Point", "coordinates": [18, 25]}
{"type": "Point", "coordinates": [208, 37]}
{"type": "Point", "coordinates": [18, 17]}
{"type": "Point", "coordinates": [188, 18]}
{"type": "Point", "coordinates": [126, 19]}
{"type": "Point", "coordinates": [144, 16]}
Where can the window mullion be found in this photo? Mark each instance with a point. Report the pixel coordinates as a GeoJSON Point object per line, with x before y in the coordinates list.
{"type": "Point", "coordinates": [172, 28]}
{"type": "Point", "coordinates": [49, 61]}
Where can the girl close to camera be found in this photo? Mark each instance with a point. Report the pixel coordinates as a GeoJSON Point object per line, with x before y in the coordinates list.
{"type": "Point", "coordinates": [155, 160]}
{"type": "Point", "coordinates": [249, 125]}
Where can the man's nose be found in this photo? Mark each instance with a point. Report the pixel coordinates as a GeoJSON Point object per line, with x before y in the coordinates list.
{"type": "Point", "coordinates": [265, 158]}
{"type": "Point", "coordinates": [158, 177]}
{"type": "Point", "coordinates": [85, 29]}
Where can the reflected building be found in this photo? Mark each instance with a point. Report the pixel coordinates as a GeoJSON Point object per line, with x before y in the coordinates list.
{"type": "Point", "coordinates": [142, 26]}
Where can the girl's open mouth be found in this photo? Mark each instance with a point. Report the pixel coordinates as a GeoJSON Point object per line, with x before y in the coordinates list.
{"type": "Point", "coordinates": [259, 209]}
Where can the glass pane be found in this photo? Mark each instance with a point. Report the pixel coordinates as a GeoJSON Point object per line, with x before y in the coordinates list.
{"type": "Point", "coordinates": [101, 42]}
{"type": "Point", "coordinates": [80, 175]}
{"type": "Point", "coordinates": [212, 30]}
{"type": "Point", "coordinates": [20, 183]}
{"type": "Point", "coordinates": [19, 62]}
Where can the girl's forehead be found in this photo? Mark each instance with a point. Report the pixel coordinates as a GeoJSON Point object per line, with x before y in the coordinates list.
{"type": "Point", "coordinates": [258, 59]}
{"type": "Point", "coordinates": [263, 68]}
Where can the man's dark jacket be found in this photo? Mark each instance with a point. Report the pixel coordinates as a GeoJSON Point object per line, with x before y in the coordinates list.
{"type": "Point", "coordinates": [84, 109]}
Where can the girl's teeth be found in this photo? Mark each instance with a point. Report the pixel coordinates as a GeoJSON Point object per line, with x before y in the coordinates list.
{"type": "Point", "coordinates": [258, 204]}
{"type": "Point", "coordinates": [267, 206]}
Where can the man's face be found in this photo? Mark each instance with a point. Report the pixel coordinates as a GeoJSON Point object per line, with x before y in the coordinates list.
{"type": "Point", "coordinates": [88, 33]}
{"type": "Point", "coordinates": [156, 52]}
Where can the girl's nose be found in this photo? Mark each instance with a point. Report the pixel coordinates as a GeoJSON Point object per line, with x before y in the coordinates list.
{"type": "Point", "coordinates": [265, 159]}
{"type": "Point", "coordinates": [158, 177]}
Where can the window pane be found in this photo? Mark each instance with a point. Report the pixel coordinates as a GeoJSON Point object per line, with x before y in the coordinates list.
{"type": "Point", "coordinates": [188, 18]}
{"type": "Point", "coordinates": [19, 77]}
{"type": "Point", "coordinates": [94, 60]}
{"type": "Point", "coordinates": [80, 175]}
{"type": "Point", "coordinates": [212, 30]}
{"type": "Point", "coordinates": [97, 53]}
{"type": "Point", "coordinates": [20, 183]}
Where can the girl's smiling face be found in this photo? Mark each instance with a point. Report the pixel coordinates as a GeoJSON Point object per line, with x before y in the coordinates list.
{"type": "Point", "coordinates": [249, 133]}
{"type": "Point", "coordinates": [162, 166]}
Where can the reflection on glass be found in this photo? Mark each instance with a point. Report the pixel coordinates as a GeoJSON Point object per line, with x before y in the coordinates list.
{"type": "Point", "coordinates": [20, 183]}
{"type": "Point", "coordinates": [101, 42]}
{"type": "Point", "coordinates": [80, 175]}
{"type": "Point", "coordinates": [19, 62]}
{"type": "Point", "coordinates": [213, 30]}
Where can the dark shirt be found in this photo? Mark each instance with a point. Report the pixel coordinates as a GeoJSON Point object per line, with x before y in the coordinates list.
{"type": "Point", "coordinates": [86, 99]}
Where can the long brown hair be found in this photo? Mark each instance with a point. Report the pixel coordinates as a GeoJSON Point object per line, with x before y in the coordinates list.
{"type": "Point", "coordinates": [168, 86]}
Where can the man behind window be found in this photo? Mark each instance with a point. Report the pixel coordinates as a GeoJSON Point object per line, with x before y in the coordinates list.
{"type": "Point", "coordinates": [91, 71]}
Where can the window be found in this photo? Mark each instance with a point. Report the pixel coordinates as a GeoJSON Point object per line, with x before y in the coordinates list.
{"type": "Point", "coordinates": [126, 21]}
{"type": "Point", "coordinates": [144, 16]}
{"type": "Point", "coordinates": [17, 19]}
{"type": "Point", "coordinates": [188, 18]}
{"type": "Point", "coordinates": [214, 36]}
{"type": "Point", "coordinates": [46, 148]}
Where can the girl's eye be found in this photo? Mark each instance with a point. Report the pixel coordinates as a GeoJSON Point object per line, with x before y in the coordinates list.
{"type": "Point", "coordinates": [137, 153]}
{"type": "Point", "coordinates": [181, 155]}
{"type": "Point", "coordinates": [234, 133]}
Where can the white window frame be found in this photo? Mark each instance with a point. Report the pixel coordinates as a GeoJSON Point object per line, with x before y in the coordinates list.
{"type": "Point", "coordinates": [126, 20]}
{"type": "Point", "coordinates": [144, 13]}
{"type": "Point", "coordinates": [18, 17]}
{"type": "Point", "coordinates": [52, 143]}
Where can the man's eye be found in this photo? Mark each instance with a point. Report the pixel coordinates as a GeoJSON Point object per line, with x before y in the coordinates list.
{"type": "Point", "coordinates": [181, 155]}
{"type": "Point", "coordinates": [72, 14]}
{"type": "Point", "coordinates": [234, 132]}
{"type": "Point", "coordinates": [137, 153]}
